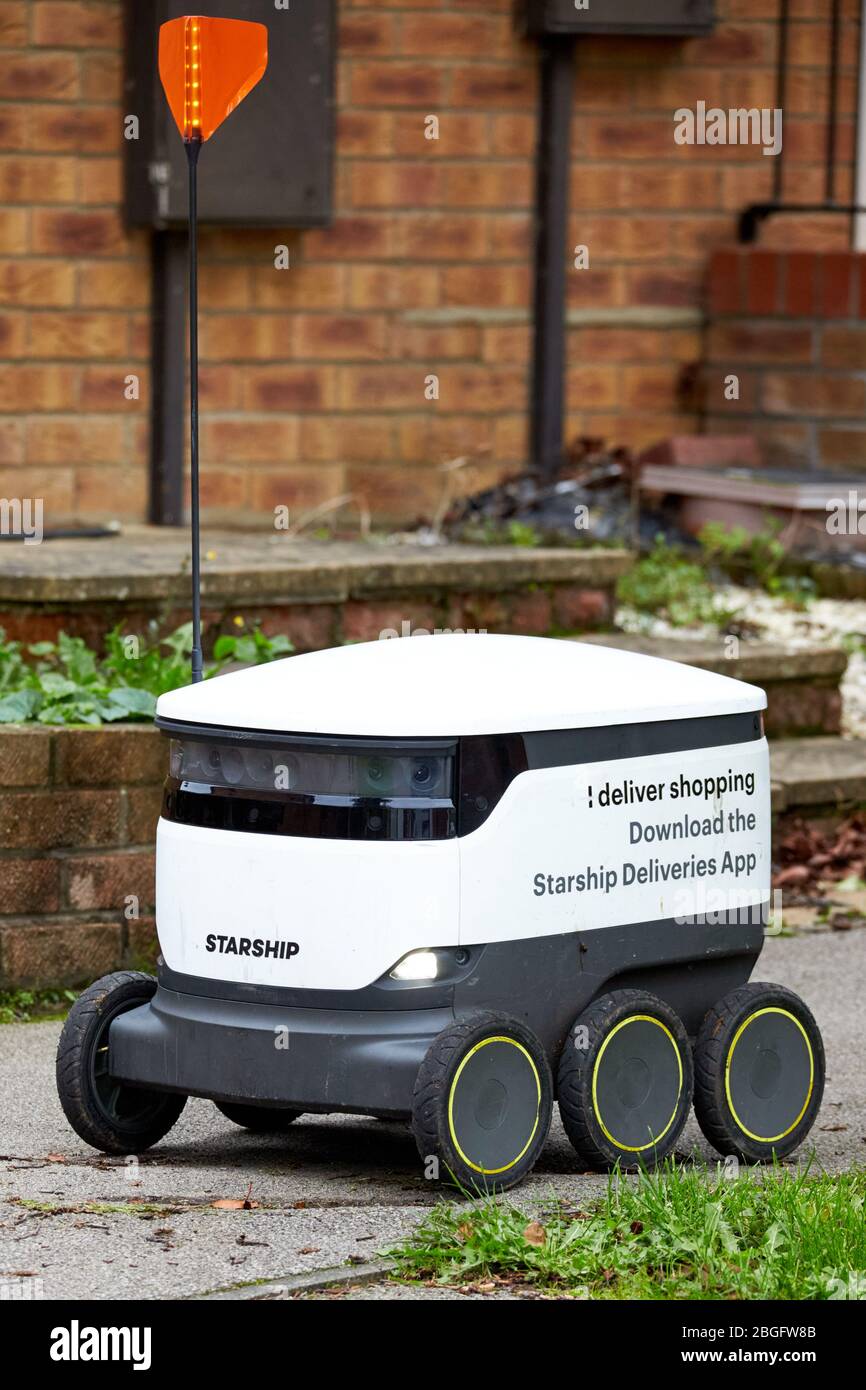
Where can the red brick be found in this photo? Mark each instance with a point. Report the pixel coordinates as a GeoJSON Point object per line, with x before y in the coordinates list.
{"type": "Point", "coordinates": [367, 33]}
{"type": "Point", "coordinates": [844, 348]}
{"type": "Point", "coordinates": [398, 84]}
{"type": "Point", "coordinates": [345, 337]}
{"type": "Point", "coordinates": [78, 129]}
{"type": "Point", "coordinates": [45, 387]}
{"type": "Point", "coordinates": [76, 24]}
{"type": "Point", "coordinates": [290, 388]}
{"type": "Point", "coordinates": [727, 282]}
{"type": "Point", "coordinates": [13, 23]}
{"type": "Point", "coordinates": [58, 955]}
{"type": "Point", "coordinates": [142, 945]}
{"type": "Point", "coordinates": [53, 820]}
{"type": "Point", "coordinates": [123, 755]}
{"type": "Point", "coordinates": [79, 336]}
{"type": "Point", "coordinates": [797, 393]}
{"type": "Point", "coordinates": [25, 757]}
{"type": "Point", "coordinates": [532, 614]}
{"type": "Point", "coordinates": [746, 341]}
{"type": "Point", "coordinates": [78, 233]}
{"type": "Point", "coordinates": [311, 626]}
{"type": "Point", "coordinates": [143, 809]}
{"type": "Point", "coordinates": [579, 610]}
{"type": "Point", "coordinates": [838, 284]}
{"type": "Point", "coordinates": [762, 282]}
{"type": "Point", "coordinates": [105, 881]}
{"type": "Point", "coordinates": [299, 489]}
{"type": "Point", "coordinates": [366, 621]}
{"type": "Point", "coordinates": [801, 284]}
{"type": "Point", "coordinates": [842, 449]}
{"type": "Point", "coordinates": [34, 75]}
{"type": "Point", "coordinates": [57, 439]}
{"type": "Point", "coordinates": [29, 885]}
{"type": "Point", "coordinates": [37, 284]}
{"type": "Point", "coordinates": [365, 238]}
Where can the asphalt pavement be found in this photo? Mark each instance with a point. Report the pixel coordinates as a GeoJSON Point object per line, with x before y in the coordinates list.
{"type": "Point", "coordinates": [329, 1195]}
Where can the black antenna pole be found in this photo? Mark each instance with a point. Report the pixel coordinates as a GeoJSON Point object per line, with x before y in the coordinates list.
{"type": "Point", "coordinates": [192, 152]}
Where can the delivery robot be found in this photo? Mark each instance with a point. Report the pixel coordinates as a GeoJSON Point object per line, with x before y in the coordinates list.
{"type": "Point", "coordinates": [454, 879]}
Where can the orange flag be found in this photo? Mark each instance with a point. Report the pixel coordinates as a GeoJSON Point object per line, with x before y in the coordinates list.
{"type": "Point", "coordinates": [207, 67]}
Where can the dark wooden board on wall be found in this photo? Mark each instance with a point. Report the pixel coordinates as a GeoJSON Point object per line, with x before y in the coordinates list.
{"type": "Point", "coordinates": [671, 18]}
{"type": "Point", "coordinates": [271, 163]}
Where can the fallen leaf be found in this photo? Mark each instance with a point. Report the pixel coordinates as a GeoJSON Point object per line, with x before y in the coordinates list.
{"type": "Point", "coordinates": [309, 1250]}
{"type": "Point", "coordinates": [234, 1204]}
{"type": "Point", "coordinates": [55, 1158]}
{"type": "Point", "coordinates": [535, 1234]}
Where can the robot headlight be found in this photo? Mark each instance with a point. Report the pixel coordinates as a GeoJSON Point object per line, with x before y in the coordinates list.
{"type": "Point", "coordinates": [418, 965]}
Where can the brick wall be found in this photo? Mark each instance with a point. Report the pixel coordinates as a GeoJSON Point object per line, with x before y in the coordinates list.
{"type": "Point", "coordinates": [314, 377]}
{"type": "Point", "coordinates": [77, 821]}
{"type": "Point", "coordinates": [792, 327]}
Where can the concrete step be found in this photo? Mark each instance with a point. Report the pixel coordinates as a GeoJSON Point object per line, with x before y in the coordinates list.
{"type": "Point", "coordinates": [320, 593]}
{"type": "Point", "coordinates": [811, 773]}
{"type": "Point", "coordinates": [802, 684]}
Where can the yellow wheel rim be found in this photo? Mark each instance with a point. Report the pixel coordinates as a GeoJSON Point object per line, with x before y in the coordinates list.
{"type": "Point", "coordinates": [492, 1172]}
{"type": "Point", "coordinates": [656, 1139]}
{"type": "Point", "coordinates": [773, 1138]}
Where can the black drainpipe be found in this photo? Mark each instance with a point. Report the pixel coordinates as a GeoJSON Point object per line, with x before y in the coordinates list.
{"type": "Point", "coordinates": [547, 406]}
{"type": "Point", "coordinates": [168, 376]}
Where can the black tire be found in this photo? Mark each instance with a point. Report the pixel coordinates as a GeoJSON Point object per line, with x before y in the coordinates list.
{"type": "Point", "coordinates": [106, 1114]}
{"type": "Point", "coordinates": [482, 1103]}
{"type": "Point", "coordinates": [625, 1081]}
{"type": "Point", "coordinates": [759, 1073]}
{"type": "Point", "coordinates": [259, 1118]}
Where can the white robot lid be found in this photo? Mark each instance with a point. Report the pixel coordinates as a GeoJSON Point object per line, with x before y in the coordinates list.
{"type": "Point", "coordinates": [453, 684]}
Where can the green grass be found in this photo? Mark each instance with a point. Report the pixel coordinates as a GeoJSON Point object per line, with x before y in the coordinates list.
{"type": "Point", "coordinates": [35, 1006]}
{"type": "Point", "coordinates": [681, 1233]}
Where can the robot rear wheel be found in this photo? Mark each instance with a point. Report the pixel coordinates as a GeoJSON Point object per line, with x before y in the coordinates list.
{"type": "Point", "coordinates": [759, 1073]}
{"type": "Point", "coordinates": [625, 1081]}
{"type": "Point", "coordinates": [259, 1118]}
{"type": "Point", "coordinates": [482, 1103]}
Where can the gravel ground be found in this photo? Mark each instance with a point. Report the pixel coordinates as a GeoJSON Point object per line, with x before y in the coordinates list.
{"type": "Point", "coordinates": [826, 622]}
{"type": "Point", "coordinates": [333, 1189]}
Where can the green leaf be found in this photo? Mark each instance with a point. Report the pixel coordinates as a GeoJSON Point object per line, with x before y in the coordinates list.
{"type": "Point", "coordinates": [19, 707]}
{"type": "Point", "coordinates": [129, 700]}
{"type": "Point", "coordinates": [57, 686]}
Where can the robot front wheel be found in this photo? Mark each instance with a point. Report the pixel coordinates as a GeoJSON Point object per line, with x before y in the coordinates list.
{"type": "Point", "coordinates": [759, 1073]}
{"type": "Point", "coordinates": [482, 1103]}
{"type": "Point", "coordinates": [106, 1114]}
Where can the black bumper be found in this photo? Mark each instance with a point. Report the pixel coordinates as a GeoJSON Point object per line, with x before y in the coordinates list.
{"type": "Point", "coordinates": [314, 1060]}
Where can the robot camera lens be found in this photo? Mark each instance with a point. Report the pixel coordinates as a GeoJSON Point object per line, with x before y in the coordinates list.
{"type": "Point", "coordinates": [423, 774]}
{"type": "Point", "coordinates": [260, 767]}
{"type": "Point", "coordinates": [377, 773]}
{"type": "Point", "coordinates": [232, 766]}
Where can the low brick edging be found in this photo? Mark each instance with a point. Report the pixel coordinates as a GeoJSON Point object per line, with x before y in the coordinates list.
{"type": "Point", "coordinates": [77, 823]}
{"type": "Point", "coordinates": [318, 593]}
